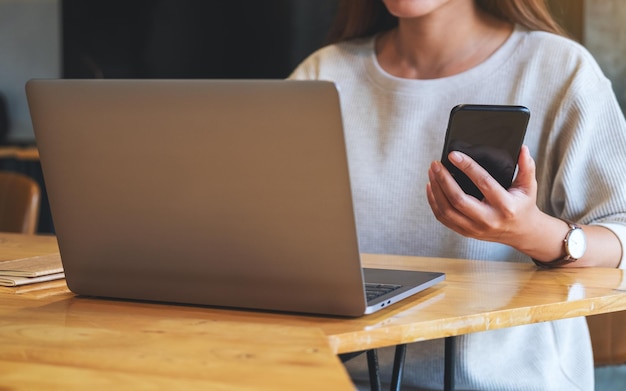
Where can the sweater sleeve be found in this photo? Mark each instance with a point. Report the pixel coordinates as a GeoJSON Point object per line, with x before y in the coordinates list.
{"type": "Point", "coordinates": [308, 69]}
{"type": "Point", "coordinates": [589, 153]}
{"type": "Point", "coordinates": [620, 231]}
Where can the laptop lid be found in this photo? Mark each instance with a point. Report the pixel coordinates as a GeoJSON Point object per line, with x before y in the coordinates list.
{"type": "Point", "coordinates": [215, 192]}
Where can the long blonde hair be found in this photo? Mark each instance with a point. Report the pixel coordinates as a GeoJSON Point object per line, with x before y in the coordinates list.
{"type": "Point", "coordinates": [360, 18]}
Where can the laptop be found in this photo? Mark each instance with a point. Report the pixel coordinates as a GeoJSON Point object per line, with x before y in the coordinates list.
{"type": "Point", "coordinates": [230, 193]}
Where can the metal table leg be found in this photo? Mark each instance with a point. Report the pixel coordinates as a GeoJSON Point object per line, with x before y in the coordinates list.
{"type": "Point", "coordinates": [372, 364]}
{"type": "Point", "coordinates": [398, 368]}
{"type": "Point", "coordinates": [449, 363]}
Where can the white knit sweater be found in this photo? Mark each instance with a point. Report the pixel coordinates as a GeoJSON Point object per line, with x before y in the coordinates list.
{"type": "Point", "coordinates": [395, 127]}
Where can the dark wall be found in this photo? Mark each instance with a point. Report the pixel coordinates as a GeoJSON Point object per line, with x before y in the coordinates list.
{"type": "Point", "coordinates": [191, 38]}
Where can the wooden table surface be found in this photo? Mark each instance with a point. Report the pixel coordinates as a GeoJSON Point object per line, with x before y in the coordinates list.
{"type": "Point", "coordinates": [20, 153]}
{"type": "Point", "coordinates": [51, 338]}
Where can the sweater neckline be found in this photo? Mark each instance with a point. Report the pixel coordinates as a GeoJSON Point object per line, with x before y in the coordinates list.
{"type": "Point", "coordinates": [497, 61]}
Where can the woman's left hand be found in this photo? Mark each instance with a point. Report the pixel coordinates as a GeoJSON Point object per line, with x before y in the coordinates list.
{"type": "Point", "coordinates": [504, 216]}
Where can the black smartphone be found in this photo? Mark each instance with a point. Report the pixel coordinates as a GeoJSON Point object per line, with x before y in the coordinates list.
{"type": "Point", "coordinates": [492, 135]}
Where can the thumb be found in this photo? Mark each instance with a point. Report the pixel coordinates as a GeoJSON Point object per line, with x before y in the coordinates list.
{"type": "Point", "coordinates": [525, 179]}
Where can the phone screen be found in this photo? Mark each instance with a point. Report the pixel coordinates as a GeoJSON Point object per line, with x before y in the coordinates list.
{"type": "Point", "coordinates": [492, 135]}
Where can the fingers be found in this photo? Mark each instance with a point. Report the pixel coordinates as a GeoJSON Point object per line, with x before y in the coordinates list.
{"type": "Point", "coordinates": [450, 205]}
{"type": "Point", "coordinates": [477, 174]}
{"type": "Point", "coordinates": [453, 207]}
{"type": "Point", "coordinates": [499, 214]}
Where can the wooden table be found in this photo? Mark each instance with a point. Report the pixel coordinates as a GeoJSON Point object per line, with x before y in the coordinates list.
{"type": "Point", "coordinates": [20, 153]}
{"type": "Point", "coordinates": [53, 339]}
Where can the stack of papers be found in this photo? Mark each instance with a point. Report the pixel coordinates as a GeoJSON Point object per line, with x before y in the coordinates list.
{"type": "Point", "coordinates": [16, 272]}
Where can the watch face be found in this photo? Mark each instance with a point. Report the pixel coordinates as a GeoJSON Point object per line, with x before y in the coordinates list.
{"type": "Point", "coordinates": [576, 243]}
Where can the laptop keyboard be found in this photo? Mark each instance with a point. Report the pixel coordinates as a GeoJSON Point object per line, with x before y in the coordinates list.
{"type": "Point", "coordinates": [374, 290]}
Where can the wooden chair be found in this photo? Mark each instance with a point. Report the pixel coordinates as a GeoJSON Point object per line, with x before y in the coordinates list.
{"type": "Point", "coordinates": [20, 199]}
{"type": "Point", "coordinates": [608, 338]}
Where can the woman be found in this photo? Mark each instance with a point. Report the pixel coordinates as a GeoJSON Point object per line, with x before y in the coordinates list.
{"type": "Point", "coordinates": [400, 66]}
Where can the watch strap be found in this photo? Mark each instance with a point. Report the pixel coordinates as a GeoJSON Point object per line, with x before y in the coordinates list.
{"type": "Point", "coordinates": [560, 261]}
{"type": "Point", "coordinates": [556, 263]}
